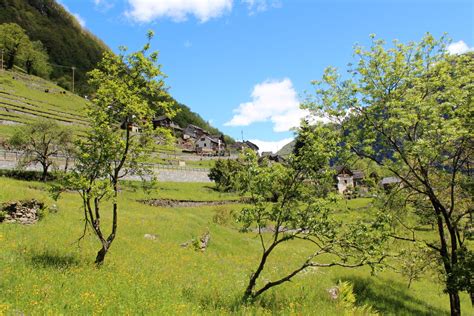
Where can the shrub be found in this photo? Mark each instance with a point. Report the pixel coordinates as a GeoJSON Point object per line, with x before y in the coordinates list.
{"type": "Point", "coordinates": [223, 216]}
{"type": "Point", "coordinates": [224, 174]}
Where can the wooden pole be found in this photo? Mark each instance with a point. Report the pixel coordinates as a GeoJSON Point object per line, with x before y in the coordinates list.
{"type": "Point", "coordinates": [73, 70]}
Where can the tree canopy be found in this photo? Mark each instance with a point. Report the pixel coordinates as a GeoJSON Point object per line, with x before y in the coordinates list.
{"type": "Point", "coordinates": [130, 90]}
{"type": "Point", "coordinates": [409, 109]}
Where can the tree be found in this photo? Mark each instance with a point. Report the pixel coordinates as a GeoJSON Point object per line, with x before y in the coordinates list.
{"type": "Point", "coordinates": [130, 89]}
{"type": "Point", "coordinates": [12, 40]}
{"type": "Point", "coordinates": [224, 174]}
{"type": "Point", "coordinates": [35, 59]}
{"type": "Point", "coordinates": [39, 142]}
{"type": "Point", "coordinates": [409, 109]}
{"type": "Point", "coordinates": [302, 212]}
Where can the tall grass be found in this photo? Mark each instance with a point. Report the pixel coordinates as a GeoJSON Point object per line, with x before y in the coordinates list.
{"type": "Point", "coordinates": [43, 270]}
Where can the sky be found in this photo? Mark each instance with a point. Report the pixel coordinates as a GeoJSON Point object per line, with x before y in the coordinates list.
{"type": "Point", "coordinates": [246, 65]}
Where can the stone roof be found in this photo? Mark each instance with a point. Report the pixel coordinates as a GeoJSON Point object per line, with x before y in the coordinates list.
{"type": "Point", "coordinates": [390, 180]}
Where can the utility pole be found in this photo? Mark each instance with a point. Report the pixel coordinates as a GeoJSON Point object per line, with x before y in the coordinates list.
{"type": "Point", "coordinates": [242, 133]}
{"type": "Point", "coordinates": [73, 70]}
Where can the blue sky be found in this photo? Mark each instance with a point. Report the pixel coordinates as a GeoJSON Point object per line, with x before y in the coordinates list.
{"type": "Point", "coordinates": [244, 65]}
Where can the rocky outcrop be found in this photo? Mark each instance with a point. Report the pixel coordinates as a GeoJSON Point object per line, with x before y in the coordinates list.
{"type": "Point", "coordinates": [23, 212]}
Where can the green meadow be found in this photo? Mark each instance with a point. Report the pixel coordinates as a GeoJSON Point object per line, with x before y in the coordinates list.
{"type": "Point", "coordinates": [44, 270]}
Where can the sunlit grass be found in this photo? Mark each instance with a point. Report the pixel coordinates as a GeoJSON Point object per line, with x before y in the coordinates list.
{"type": "Point", "coordinates": [43, 270]}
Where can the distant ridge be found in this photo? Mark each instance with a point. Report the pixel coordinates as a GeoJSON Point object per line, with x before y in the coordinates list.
{"type": "Point", "coordinates": [287, 149]}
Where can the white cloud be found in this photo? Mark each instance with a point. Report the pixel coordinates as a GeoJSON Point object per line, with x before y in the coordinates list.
{"type": "Point", "coordinates": [255, 6]}
{"type": "Point", "coordinates": [79, 19]}
{"type": "Point", "coordinates": [274, 101]}
{"type": "Point", "coordinates": [459, 48]}
{"type": "Point", "coordinates": [178, 10]}
{"type": "Point", "coordinates": [103, 5]}
{"type": "Point", "coordinates": [272, 146]}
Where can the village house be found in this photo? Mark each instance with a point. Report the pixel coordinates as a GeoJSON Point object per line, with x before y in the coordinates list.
{"type": "Point", "coordinates": [194, 132]}
{"type": "Point", "coordinates": [347, 179]}
{"type": "Point", "coordinates": [389, 183]}
{"type": "Point", "coordinates": [132, 127]}
{"type": "Point", "coordinates": [164, 121]}
{"type": "Point", "coordinates": [240, 146]}
{"type": "Point", "coordinates": [210, 145]}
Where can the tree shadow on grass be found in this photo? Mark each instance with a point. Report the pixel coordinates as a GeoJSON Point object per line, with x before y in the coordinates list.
{"type": "Point", "coordinates": [390, 298]}
{"type": "Point", "coordinates": [52, 260]}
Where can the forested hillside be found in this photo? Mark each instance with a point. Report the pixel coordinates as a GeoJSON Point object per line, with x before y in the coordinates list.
{"type": "Point", "coordinates": [66, 42]}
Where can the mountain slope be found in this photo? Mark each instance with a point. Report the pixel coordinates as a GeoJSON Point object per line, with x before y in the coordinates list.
{"type": "Point", "coordinates": [66, 42]}
{"type": "Point", "coordinates": [26, 98]}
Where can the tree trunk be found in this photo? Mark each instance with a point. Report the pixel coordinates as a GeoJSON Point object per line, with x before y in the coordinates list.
{"type": "Point", "coordinates": [44, 175]}
{"type": "Point", "coordinates": [455, 303]}
{"type": "Point", "coordinates": [99, 260]}
{"type": "Point", "coordinates": [29, 66]}
{"type": "Point", "coordinates": [248, 294]}
{"type": "Point", "coordinates": [10, 62]}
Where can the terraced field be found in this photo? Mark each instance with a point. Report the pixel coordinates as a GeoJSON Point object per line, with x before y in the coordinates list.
{"type": "Point", "coordinates": [25, 98]}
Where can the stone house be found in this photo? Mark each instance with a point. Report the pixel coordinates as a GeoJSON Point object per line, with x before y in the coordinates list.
{"type": "Point", "coordinates": [347, 179]}
{"type": "Point", "coordinates": [389, 183]}
{"type": "Point", "coordinates": [210, 145]}
{"type": "Point", "coordinates": [194, 132]}
{"type": "Point", "coordinates": [240, 146]}
{"type": "Point", "coordinates": [164, 121]}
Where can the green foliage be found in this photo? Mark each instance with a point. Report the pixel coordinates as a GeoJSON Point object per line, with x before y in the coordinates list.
{"type": "Point", "coordinates": [13, 40]}
{"type": "Point", "coordinates": [287, 201]}
{"type": "Point", "coordinates": [347, 300]}
{"type": "Point", "coordinates": [20, 51]}
{"type": "Point", "coordinates": [168, 279]}
{"type": "Point", "coordinates": [35, 59]}
{"type": "Point", "coordinates": [40, 142]}
{"type": "Point", "coordinates": [408, 108]}
{"type": "Point", "coordinates": [67, 43]}
{"type": "Point", "coordinates": [223, 216]}
{"type": "Point", "coordinates": [27, 175]}
{"type": "Point", "coordinates": [224, 174]}
{"type": "Point", "coordinates": [416, 261]}
{"type": "Point", "coordinates": [130, 90]}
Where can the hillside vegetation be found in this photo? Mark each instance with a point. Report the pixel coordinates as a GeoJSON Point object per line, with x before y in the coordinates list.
{"type": "Point", "coordinates": [24, 99]}
{"type": "Point", "coordinates": [66, 42]}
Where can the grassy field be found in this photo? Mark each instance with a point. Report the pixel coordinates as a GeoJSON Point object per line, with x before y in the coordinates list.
{"type": "Point", "coordinates": [24, 98]}
{"type": "Point", "coordinates": [45, 271]}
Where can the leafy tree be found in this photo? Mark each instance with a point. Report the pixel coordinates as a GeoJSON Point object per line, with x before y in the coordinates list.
{"type": "Point", "coordinates": [129, 92]}
{"type": "Point", "coordinates": [409, 109]}
{"type": "Point", "coordinates": [67, 43]}
{"type": "Point", "coordinates": [302, 211]}
{"type": "Point", "coordinates": [224, 174]}
{"type": "Point", "coordinates": [12, 40]}
{"type": "Point", "coordinates": [40, 141]}
{"type": "Point", "coordinates": [35, 59]}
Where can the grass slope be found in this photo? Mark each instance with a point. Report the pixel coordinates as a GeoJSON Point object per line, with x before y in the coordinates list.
{"type": "Point", "coordinates": [44, 271]}
{"type": "Point", "coordinates": [23, 99]}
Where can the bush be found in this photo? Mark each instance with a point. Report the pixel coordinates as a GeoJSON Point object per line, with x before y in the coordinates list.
{"type": "Point", "coordinates": [224, 174]}
{"type": "Point", "coordinates": [27, 175]}
{"type": "Point", "coordinates": [223, 216]}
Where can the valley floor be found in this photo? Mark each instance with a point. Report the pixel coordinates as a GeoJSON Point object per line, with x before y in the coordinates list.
{"type": "Point", "coordinates": [44, 270]}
